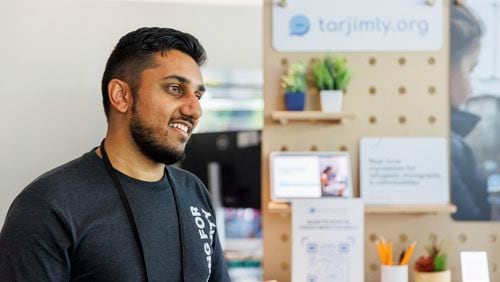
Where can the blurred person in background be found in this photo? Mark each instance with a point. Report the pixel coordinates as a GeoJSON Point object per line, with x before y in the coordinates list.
{"type": "Point", "coordinates": [468, 185]}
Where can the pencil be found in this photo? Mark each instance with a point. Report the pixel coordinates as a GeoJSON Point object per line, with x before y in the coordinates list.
{"type": "Point", "coordinates": [401, 256]}
{"type": "Point", "coordinates": [389, 253]}
{"type": "Point", "coordinates": [380, 251]}
{"type": "Point", "coordinates": [384, 248]}
{"type": "Point", "coordinates": [408, 253]}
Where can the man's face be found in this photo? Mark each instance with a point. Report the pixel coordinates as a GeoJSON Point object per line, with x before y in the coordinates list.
{"type": "Point", "coordinates": [167, 107]}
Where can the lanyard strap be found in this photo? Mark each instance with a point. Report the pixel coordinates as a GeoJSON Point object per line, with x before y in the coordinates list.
{"type": "Point", "coordinates": [126, 205]}
{"type": "Point", "coordinates": [130, 214]}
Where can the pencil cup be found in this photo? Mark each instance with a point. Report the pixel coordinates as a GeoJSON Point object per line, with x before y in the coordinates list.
{"type": "Point", "coordinates": [394, 273]}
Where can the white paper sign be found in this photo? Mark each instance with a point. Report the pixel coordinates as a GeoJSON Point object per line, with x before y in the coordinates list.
{"type": "Point", "coordinates": [296, 177]}
{"type": "Point", "coordinates": [310, 175]}
{"type": "Point", "coordinates": [357, 25]}
{"type": "Point", "coordinates": [474, 267]}
{"type": "Point", "coordinates": [327, 240]}
{"type": "Point", "coordinates": [404, 170]}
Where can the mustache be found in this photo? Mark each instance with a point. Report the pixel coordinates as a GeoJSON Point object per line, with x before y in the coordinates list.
{"type": "Point", "coordinates": [189, 119]}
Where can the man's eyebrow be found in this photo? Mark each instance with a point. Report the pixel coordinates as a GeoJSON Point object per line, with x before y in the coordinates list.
{"type": "Point", "coordinates": [184, 80]}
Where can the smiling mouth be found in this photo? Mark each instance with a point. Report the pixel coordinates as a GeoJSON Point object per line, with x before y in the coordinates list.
{"type": "Point", "coordinates": [183, 127]}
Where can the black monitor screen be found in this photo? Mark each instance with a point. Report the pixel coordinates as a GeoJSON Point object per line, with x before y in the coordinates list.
{"type": "Point", "coordinates": [238, 155]}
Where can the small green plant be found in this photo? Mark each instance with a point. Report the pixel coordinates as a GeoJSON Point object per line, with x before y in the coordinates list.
{"type": "Point", "coordinates": [294, 80]}
{"type": "Point", "coordinates": [331, 73]}
{"type": "Point", "coordinates": [436, 260]}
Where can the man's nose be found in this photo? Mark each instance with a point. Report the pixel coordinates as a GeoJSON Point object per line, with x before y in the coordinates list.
{"type": "Point", "coordinates": [191, 106]}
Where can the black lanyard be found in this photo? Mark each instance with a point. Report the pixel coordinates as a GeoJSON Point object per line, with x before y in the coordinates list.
{"type": "Point", "coordinates": [130, 214]}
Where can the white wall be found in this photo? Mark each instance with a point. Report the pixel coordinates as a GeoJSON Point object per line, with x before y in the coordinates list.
{"type": "Point", "coordinates": [52, 55]}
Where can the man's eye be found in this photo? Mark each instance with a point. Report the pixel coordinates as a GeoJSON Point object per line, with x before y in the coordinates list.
{"type": "Point", "coordinates": [199, 95]}
{"type": "Point", "coordinates": [175, 89]}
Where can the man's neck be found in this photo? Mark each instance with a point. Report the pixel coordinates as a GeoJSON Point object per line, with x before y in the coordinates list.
{"type": "Point", "coordinates": [127, 158]}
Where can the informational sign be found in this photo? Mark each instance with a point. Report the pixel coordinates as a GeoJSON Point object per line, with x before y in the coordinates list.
{"type": "Point", "coordinates": [357, 25]}
{"type": "Point", "coordinates": [474, 267]}
{"type": "Point", "coordinates": [327, 240]}
{"type": "Point", "coordinates": [404, 170]}
{"type": "Point", "coordinates": [310, 175]}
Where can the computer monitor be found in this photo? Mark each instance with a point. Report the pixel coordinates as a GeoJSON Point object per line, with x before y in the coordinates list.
{"type": "Point", "coordinates": [237, 155]}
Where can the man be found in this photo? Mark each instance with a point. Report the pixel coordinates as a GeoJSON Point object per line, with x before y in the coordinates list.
{"type": "Point", "coordinates": [118, 213]}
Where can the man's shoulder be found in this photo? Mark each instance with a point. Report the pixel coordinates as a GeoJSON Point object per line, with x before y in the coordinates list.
{"type": "Point", "coordinates": [64, 179]}
{"type": "Point", "coordinates": [186, 179]}
{"type": "Point", "coordinates": [183, 175]}
{"type": "Point", "coordinates": [180, 172]}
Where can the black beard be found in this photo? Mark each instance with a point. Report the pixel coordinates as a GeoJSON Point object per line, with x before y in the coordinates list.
{"type": "Point", "coordinates": [143, 137]}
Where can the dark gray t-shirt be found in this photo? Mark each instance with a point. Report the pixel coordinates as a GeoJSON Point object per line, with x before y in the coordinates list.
{"type": "Point", "coordinates": [70, 225]}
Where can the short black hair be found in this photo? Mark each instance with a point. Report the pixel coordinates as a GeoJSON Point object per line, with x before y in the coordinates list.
{"type": "Point", "coordinates": [466, 31]}
{"type": "Point", "coordinates": [135, 52]}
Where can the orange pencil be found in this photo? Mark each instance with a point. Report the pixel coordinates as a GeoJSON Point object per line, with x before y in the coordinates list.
{"type": "Point", "coordinates": [383, 246]}
{"type": "Point", "coordinates": [389, 253]}
{"type": "Point", "coordinates": [408, 253]}
{"type": "Point", "coordinates": [380, 251]}
{"type": "Point", "coordinates": [382, 240]}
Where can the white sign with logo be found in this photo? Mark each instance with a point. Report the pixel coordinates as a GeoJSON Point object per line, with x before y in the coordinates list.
{"type": "Point", "coordinates": [406, 170]}
{"type": "Point", "coordinates": [327, 240]}
{"type": "Point", "coordinates": [357, 25]}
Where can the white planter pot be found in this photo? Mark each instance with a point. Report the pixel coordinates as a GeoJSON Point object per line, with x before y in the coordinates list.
{"type": "Point", "coordinates": [331, 100]}
{"type": "Point", "coordinates": [442, 276]}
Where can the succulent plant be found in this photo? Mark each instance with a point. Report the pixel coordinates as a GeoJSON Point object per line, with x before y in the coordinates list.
{"type": "Point", "coordinates": [331, 73]}
{"type": "Point", "coordinates": [436, 260]}
{"type": "Point", "coordinates": [424, 264]}
{"type": "Point", "coordinates": [294, 80]}
{"type": "Point", "coordinates": [440, 262]}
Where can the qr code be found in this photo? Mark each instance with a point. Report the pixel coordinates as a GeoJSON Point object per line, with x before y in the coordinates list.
{"type": "Point", "coordinates": [328, 261]}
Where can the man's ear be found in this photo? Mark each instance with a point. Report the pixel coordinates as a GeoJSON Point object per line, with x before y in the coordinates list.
{"type": "Point", "coordinates": [120, 95]}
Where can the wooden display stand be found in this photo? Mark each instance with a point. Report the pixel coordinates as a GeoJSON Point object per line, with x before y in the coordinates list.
{"type": "Point", "coordinates": [392, 94]}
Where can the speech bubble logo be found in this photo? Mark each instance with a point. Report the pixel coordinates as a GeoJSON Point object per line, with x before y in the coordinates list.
{"type": "Point", "coordinates": [299, 25]}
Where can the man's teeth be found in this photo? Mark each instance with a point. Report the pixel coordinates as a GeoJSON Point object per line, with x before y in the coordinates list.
{"type": "Point", "coordinates": [180, 126]}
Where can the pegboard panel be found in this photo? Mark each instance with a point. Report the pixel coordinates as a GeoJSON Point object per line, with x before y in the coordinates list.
{"type": "Point", "coordinates": [458, 236]}
{"type": "Point", "coordinates": [391, 94]}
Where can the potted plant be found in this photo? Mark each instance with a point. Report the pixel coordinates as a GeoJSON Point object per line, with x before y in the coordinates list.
{"type": "Point", "coordinates": [433, 267]}
{"type": "Point", "coordinates": [295, 84]}
{"type": "Point", "coordinates": [331, 76]}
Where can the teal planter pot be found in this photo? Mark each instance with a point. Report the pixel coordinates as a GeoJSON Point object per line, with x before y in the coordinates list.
{"type": "Point", "coordinates": [295, 101]}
